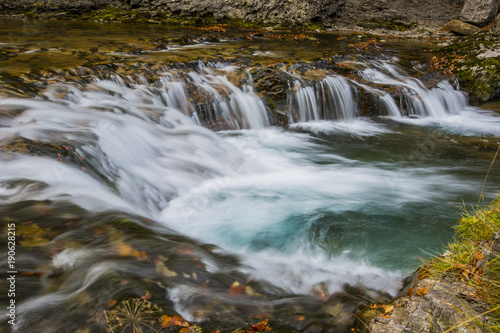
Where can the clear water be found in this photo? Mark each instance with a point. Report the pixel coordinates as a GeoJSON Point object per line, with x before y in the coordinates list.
{"type": "Point", "coordinates": [332, 199]}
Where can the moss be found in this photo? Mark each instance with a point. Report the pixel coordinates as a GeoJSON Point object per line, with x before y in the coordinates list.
{"type": "Point", "coordinates": [479, 76]}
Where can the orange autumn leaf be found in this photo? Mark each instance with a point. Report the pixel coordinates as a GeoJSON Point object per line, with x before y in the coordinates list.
{"type": "Point", "coordinates": [112, 302]}
{"type": "Point", "coordinates": [478, 256]}
{"type": "Point", "coordinates": [373, 306]}
{"type": "Point", "coordinates": [141, 255]}
{"type": "Point", "coordinates": [410, 292]}
{"type": "Point", "coordinates": [147, 296]}
{"type": "Point", "coordinates": [422, 291]}
{"type": "Point", "coordinates": [124, 250]}
{"type": "Point", "coordinates": [300, 318]}
{"type": "Point", "coordinates": [167, 321]}
{"type": "Point", "coordinates": [259, 327]}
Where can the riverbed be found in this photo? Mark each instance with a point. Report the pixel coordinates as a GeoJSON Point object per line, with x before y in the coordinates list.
{"type": "Point", "coordinates": [151, 160]}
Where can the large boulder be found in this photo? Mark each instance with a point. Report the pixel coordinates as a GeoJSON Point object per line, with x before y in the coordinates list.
{"type": "Point", "coordinates": [462, 28]}
{"type": "Point", "coordinates": [479, 12]}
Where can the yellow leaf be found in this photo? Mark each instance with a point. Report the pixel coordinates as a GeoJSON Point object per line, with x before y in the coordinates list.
{"type": "Point", "coordinates": [387, 308]}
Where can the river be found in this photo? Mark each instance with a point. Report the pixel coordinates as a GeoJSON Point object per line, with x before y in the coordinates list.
{"type": "Point", "coordinates": [147, 160]}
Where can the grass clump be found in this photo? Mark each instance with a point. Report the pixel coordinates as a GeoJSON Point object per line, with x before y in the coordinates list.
{"type": "Point", "coordinates": [474, 257]}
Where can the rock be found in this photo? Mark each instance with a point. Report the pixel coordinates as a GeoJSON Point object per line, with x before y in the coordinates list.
{"type": "Point", "coordinates": [462, 28]}
{"type": "Point", "coordinates": [445, 305]}
{"type": "Point", "coordinates": [479, 12]}
{"type": "Point", "coordinates": [390, 15]}
{"type": "Point", "coordinates": [496, 27]}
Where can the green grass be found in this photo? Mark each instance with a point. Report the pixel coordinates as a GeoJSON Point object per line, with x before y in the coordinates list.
{"type": "Point", "coordinates": [470, 259]}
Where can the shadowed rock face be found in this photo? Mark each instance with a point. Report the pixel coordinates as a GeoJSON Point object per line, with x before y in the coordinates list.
{"type": "Point", "coordinates": [328, 12]}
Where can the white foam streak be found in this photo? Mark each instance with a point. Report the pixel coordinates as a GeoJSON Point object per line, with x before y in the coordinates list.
{"type": "Point", "coordinates": [357, 127]}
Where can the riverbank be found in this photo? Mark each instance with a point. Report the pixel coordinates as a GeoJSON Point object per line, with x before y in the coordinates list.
{"type": "Point", "coordinates": [455, 292]}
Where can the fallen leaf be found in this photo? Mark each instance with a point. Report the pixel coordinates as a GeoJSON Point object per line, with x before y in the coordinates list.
{"type": "Point", "coordinates": [300, 318]}
{"type": "Point", "coordinates": [167, 321]}
{"type": "Point", "coordinates": [410, 292]}
{"type": "Point", "coordinates": [387, 308]}
{"type": "Point", "coordinates": [141, 255]}
{"type": "Point", "coordinates": [422, 291]}
{"type": "Point", "coordinates": [259, 327]}
{"type": "Point", "coordinates": [478, 256]}
{"type": "Point", "coordinates": [112, 302]}
{"type": "Point", "coordinates": [373, 306]}
{"type": "Point", "coordinates": [124, 250]}
{"type": "Point", "coordinates": [147, 296]}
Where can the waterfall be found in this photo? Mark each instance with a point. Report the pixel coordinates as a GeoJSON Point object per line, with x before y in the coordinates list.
{"type": "Point", "coordinates": [438, 102]}
{"type": "Point", "coordinates": [338, 98]}
{"type": "Point", "coordinates": [223, 97]}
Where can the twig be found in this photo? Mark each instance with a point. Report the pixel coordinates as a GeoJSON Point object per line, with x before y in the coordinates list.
{"type": "Point", "coordinates": [481, 197]}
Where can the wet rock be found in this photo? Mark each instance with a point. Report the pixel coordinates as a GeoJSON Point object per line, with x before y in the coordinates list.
{"type": "Point", "coordinates": [479, 12]}
{"type": "Point", "coordinates": [462, 28]}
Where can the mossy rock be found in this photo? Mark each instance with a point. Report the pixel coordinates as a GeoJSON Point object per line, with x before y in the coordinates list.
{"type": "Point", "coordinates": [475, 60]}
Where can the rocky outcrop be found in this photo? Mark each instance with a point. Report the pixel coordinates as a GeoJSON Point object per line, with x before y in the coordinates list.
{"type": "Point", "coordinates": [336, 13]}
{"type": "Point", "coordinates": [433, 306]}
{"type": "Point", "coordinates": [462, 28]}
{"type": "Point", "coordinates": [479, 12]}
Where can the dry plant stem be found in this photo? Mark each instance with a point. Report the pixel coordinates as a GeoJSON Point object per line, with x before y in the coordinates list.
{"type": "Point", "coordinates": [481, 197]}
{"type": "Point", "coordinates": [471, 319]}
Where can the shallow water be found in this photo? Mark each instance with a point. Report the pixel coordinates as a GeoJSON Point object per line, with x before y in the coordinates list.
{"type": "Point", "coordinates": [116, 190]}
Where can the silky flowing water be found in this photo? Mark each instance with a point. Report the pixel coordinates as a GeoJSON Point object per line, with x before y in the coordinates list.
{"type": "Point", "coordinates": [182, 186]}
